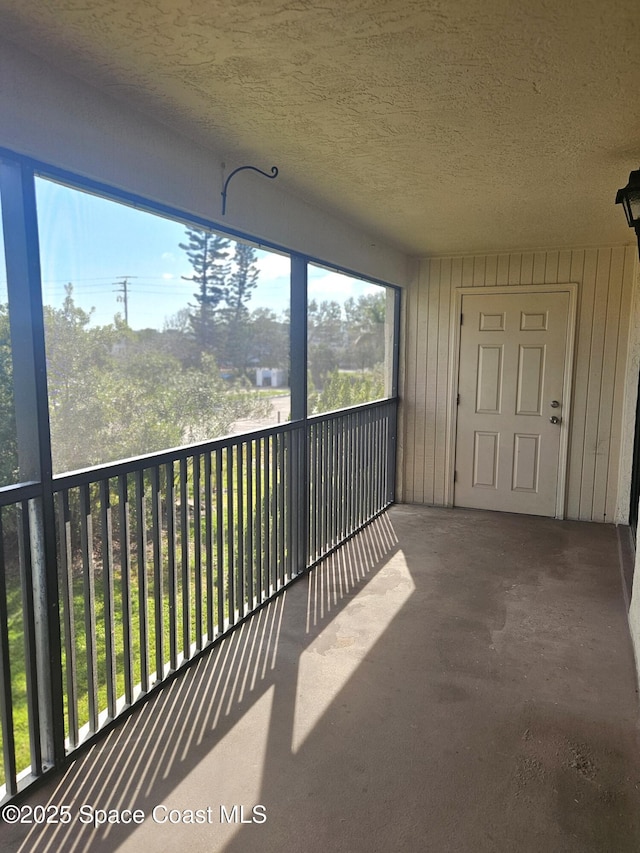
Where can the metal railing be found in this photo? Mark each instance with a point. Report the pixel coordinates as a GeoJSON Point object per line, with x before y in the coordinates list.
{"type": "Point", "coordinates": [158, 557]}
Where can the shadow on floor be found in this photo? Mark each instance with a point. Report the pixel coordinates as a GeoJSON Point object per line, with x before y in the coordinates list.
{"type": "Point", "coordinates": [447, 681]}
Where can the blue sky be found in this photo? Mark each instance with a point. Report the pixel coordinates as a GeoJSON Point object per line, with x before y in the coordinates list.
{"type": "Point", "coordinates": [94, 243]}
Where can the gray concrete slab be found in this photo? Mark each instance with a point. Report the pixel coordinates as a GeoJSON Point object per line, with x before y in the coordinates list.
{"type": "Point", "coordinates": [448, 681]}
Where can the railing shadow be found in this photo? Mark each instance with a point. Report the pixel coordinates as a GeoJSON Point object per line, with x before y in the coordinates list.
{"type": "Point", "coordinates": [138, 765]}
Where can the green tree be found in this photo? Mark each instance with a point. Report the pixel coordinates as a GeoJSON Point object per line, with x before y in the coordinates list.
{"type": "Point", "coordinates": [76, 361]}
{"type": "Point", "coordinates": [269, 339]}
{"type": "Point", "coordinates": [116, 393]}
{"type": "Point", "coordinates": [346, 389]}
{"type": "Point", "coordinates": [207, 254]}
{"type": "Point", "coordinates": [8, 443]}
{"type": "Point", "coordinates": [325, 331]}
{"type": "Point", "coordinates": [365, 330]}
{"type": "Point", "coordinates": [240, 286]}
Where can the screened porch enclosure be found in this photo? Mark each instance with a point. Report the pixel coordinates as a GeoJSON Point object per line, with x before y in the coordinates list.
{"type": "Point", "coordinates": [116, 576]}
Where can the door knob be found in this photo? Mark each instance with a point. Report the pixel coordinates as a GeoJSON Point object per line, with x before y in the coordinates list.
{"type": "Point", "coordinates": [554, 404]}
{"type": "Point", "coordinates": [554, 420]}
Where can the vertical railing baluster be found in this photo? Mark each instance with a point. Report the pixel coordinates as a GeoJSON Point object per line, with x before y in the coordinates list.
{"type": "Point", "coordinates": [366, 488]}
{"type": "Point", "coordinates": [364, 510]}
{"type": "Point", "coordinates": [384, 485]}
{"type": "Point", "coordinates": [240, 528]}
{"type": "Point", "coordinates": [344, 501]}
{"type": "Point", "coordinates": [230, 538]}
{"type": "Point", "coordinates": [282, 513]}
{"type": "Point", "coordinates": [220, 540]}
{"type": "Point", "coordinates": [384, 462]}
{"type": "Point", "coordinates": [333, 483]}
{"type": "Point", "coordinates": [86, 545]}
{"type": "Point", "coordinates": [208, 543]}
{"type": "Point", "coordinates": [267, 520]}
{"type": "Point", "coordinates": [319, 488]}
{"type": "Point", "coordinates": [303, 499]}
{"type": "Point", "coordinates": [382, 444]}
{"type": "Point", "coordinates": [353, 466]}
{"type": "Point", "coordinates": [318, 497]}
{"type": "Point", "coordinates": [259, 536]}
{"type": "Point", "coordinates": [376, 456]}
{"type": "Point", "coordinates": [293, 503]}
{"type": "Point", "coordinates": [171, 567]}
{"type": "Point", "coordinates": [31, 671]}
{"type": "Point", "coordinates": [106, 531]}
{"type": "Point", "coordinates": [343, 479]}
{"type": "Point", "coordinates": [324, 487]}
{"type": "Point", "coordinates": [357, 469]}
{"type": "Point", "coordinates": [251, 595]}
{"type": "Point", "coordinates": [158, 585]}
{"type": "Point", "coordinates": [197, 550]}
{"type": "Point", "coordinates": [360, 468]}
{"type": "Point", "coordinates": [308, 440]}
{"type": "Point", "coordinates": [274, 511]}
{"type": "Point", "coordinates": [371, 463]}
{"type": "Point", "coordinates": [184, 561]}
{"type": "Point", "coordinates": [289, 506]}
{"type": "Point", "coordinates": [6, 696]}
{"type": "Point", "coordinates": [143, 587]}
{"type": "Point", "coordinates": [125, 572]}
{"type": "Point", "coordinates": [68, 613]}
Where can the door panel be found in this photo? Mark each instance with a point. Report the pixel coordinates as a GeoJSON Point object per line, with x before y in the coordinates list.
{"type": "Point", "coordinates": [489, 380]}
{"type": "Point", "coordinates": [530, 380]}
{"type": "Point", "coordinates": [485, 460]}
{"type": "Point", "coordinates": [513, 348]}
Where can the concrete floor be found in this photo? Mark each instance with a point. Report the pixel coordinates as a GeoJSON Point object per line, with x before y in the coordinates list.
{"type": "Point", "coordinates": [449, 681]}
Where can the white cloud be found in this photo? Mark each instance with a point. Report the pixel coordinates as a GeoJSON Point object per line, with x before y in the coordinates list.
{"type": "Point", "coordinates": [272, 266]}
{"type": "Point", "coordinates": [324, 284]}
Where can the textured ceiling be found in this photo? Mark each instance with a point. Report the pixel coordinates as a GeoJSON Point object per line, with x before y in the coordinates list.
{"type": "Point", "coordinates": [440, 125]}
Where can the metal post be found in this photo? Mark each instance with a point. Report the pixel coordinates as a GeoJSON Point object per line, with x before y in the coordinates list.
{"type": "Point", "coordinates": [392, 449]}
{"type": "Point", "coordinates": [298, 383]}
{"type": "Point", "coordinates": [26, 318]}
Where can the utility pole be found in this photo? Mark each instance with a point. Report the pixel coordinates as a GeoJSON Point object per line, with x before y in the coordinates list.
{"type": "Point", "coordinates": [123, 289]}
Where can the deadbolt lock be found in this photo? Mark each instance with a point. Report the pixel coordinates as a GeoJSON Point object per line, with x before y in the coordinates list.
{"type": "Point", "coordinates": [555, 404]}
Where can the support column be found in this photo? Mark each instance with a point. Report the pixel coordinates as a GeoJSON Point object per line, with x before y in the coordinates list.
{"type": "Point", "coordinates": [20, 227]}
{"type": "Point", "coordinates": [298, 385]}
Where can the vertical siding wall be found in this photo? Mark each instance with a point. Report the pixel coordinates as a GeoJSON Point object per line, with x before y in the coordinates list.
{"type": "Point", "coordinates": [605, 278]}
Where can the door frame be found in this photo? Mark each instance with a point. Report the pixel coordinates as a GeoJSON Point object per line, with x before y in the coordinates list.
{"type": "Point", "coordinates": [457, 295]}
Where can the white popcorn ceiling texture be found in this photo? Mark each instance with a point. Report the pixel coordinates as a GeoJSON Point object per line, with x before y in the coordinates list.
{"type": "Point", "coordinates": [438, 125]}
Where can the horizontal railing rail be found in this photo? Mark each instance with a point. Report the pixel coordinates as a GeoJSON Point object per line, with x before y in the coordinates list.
{"type": "Point", "coordinates": [10, 495]}
{"type": "Point", "coordinates": [159, 556]}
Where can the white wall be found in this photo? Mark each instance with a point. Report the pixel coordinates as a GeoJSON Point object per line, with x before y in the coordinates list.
{"type": "Point", "coordinates": [62, 121]}
{"type": "Point", "coordinates": [605, 278]}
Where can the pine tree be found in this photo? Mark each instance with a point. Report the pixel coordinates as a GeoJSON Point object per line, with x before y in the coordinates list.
{"type": "Point", "coordinates": [242, 282]}
{"type": "Point", "coordinates": [207, 253]}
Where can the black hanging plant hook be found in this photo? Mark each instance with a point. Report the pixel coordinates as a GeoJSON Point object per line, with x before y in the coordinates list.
{"type": "Point", "coordinates": [274, 174]}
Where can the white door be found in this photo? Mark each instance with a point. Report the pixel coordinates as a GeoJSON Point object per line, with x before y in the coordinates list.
{"type": "Point", "coordinates": [513, 349]}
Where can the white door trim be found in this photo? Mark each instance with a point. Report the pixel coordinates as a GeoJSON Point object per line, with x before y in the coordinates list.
{"type": "Point", "coordinates": [454, 359]}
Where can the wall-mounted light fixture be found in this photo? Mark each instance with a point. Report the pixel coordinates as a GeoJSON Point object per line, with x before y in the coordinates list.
{"type": "Point", "coordinates": [629, 198]}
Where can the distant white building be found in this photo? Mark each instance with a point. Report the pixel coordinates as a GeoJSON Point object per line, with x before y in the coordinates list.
{"type": "Point", "coordinates": [271, 377]}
